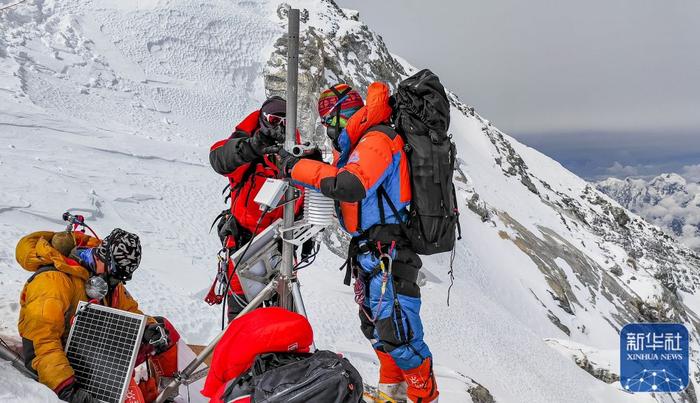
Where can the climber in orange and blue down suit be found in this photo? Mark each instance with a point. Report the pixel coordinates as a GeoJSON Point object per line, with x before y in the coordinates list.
{"type": "Point", "coordinates": [370, 161]}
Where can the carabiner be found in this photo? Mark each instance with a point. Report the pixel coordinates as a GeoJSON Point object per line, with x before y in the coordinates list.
{"type": "Point", "coordinates": [386, 272]}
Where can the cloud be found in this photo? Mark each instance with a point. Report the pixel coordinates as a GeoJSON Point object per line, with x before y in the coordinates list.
{"type": "Point", "coordinates": [691, 172]}
{"type": "Point", "coordinates": [629, 55]}
{"type": "Point", "coordinates": [598, 155]}
{"type": "Point", "coordinates": [618, 170]}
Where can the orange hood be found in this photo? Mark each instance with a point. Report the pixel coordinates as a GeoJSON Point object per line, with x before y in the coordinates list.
{"type": "Point", "coordinates": [375, 111]}
{"type": "Point", "coordinates": [35, 250]}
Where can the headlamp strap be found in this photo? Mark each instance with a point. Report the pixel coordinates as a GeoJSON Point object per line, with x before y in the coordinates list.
{"type": "Point", "coordinates": [340, 94]}
{"type": "Point", "coordinates": [341, 97]}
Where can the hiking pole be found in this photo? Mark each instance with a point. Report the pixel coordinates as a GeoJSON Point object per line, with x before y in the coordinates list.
{"type": "Point", "coordinates": [285, 290]}
{"type": "Point", "coordinates": [184, 377]}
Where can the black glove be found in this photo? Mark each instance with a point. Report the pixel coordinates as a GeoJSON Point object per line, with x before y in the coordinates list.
{"type": "Point", "coordinates": [75, 394]}
{"type": "Point", "coordinates": [226, 226]}
{"type": "Point", "coordinates": [158, 336]}
{"type": "Point", "coordinates": [314, 155]}
{"type": "Point", "coordinates": [267, 139]}
{"type": "Point", "coordinates": [286, 162]}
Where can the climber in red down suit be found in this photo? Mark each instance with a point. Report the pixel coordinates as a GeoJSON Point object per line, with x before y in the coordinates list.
{"type": "Point", "coordinates": [243, 159]}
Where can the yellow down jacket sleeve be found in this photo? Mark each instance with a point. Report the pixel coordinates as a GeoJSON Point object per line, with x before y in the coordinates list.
{"type": "Point", "coordinates": [43, 322]}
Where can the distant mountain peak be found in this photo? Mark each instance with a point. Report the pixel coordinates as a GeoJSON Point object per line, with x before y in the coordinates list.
{"type": "Point", "coordinates": [667, 200]}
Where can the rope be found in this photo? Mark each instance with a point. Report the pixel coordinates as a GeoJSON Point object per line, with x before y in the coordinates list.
{"type": "Point", "coordinates": [451, 272]}
{"type": "Point", "coordinates": [12, 5]}
{"type": "Point", "coordinates": [386, 276]}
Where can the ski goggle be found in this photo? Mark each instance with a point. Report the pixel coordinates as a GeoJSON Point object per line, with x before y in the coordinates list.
{"type": "Point", "coordinates": [333, 121]}
{"type": "Point", "coordinates": [328, 118]}
{"type": "Point", "coordinates": [275, 120]}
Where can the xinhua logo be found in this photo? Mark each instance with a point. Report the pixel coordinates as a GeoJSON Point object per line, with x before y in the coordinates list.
{"type": "Point", "coordinates": [654, 357]}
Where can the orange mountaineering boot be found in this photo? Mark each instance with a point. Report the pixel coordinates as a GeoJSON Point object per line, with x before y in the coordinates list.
{"type": "Point", "coordinates": [422, 387]}
{"type": "Point", "coordinates": [391, 380]}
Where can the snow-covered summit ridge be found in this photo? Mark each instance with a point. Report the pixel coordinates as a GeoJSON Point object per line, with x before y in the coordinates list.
{"type": "Point", "coordinates": [108, 108]}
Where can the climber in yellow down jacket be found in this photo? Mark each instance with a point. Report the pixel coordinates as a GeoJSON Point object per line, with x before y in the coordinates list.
{"type": "Point", "coordinates": [70, 267]}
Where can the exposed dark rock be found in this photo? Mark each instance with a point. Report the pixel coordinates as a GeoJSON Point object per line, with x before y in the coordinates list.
{"type": "Point", "coordinates": [337, 241]}
{"type": "Point", "coordinates": [665, 276]}
{"type": "Point", "coordinates": [557, 322]}
{"type": "Point", "coordinates": [646, 196]}
{"type": "Point", "coordinates": [356, 56]}
{"type": "Point", "coordinates": [603, 374]}
{"type": "Point", "coordinates": [676, 267]}
{"type": "Point", "coordinates": [653, 311]}
{"type": "Point", "coordinates": [525, 180]}
{"type": "Point", "coordinates": [480, 394]}
{"type": "Point", "coordinates": [616, 270]}
{"type": "Point", "coordinates": [688, 395]}
{"type": "Point", "coordinates": [621, 217]}
{"type": "Point", "coordinates": [560, 297]}
{"type": "Point", "coordinates": [478, 207]}
{"type": "Point", "coordinates": [544, 251]}
{"type": "Point", "coordinates": [352, 14]}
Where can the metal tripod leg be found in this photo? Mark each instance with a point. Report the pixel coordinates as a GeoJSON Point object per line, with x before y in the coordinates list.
{"type": "Point", "coordinates": [185, 376]}
{"type": "Point", "coordinates": [299, 305]}
{"type": "Point", "coordinates": [296, 296]}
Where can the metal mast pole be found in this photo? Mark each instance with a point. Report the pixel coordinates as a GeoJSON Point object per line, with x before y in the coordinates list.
{"type": "Point", "coordinates": [286, 288]}
{"type": "Point", "coordinates": [286, 300]}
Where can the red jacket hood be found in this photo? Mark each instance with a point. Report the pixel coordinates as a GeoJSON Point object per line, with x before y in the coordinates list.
{"type": "Point", "coordinates": [251, 123]}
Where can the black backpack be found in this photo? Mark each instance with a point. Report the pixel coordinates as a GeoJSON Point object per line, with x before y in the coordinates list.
{"type": "Point", "coordinates": [321, 377]}
{"type": "Point", "coordinates": [422, 117]}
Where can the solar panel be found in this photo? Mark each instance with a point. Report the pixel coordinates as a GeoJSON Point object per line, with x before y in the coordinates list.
{"type": "Point", "coordinates": [102, 347]}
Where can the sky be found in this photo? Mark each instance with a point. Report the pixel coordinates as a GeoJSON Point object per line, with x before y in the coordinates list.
{"type": "Point", "coordinates": [604, 86]}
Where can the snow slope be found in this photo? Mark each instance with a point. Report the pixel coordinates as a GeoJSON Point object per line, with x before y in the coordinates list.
{"type": "Point", "coordinates": [109, 106]}
{"type": "Point", "coordinates": [17, 388]}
